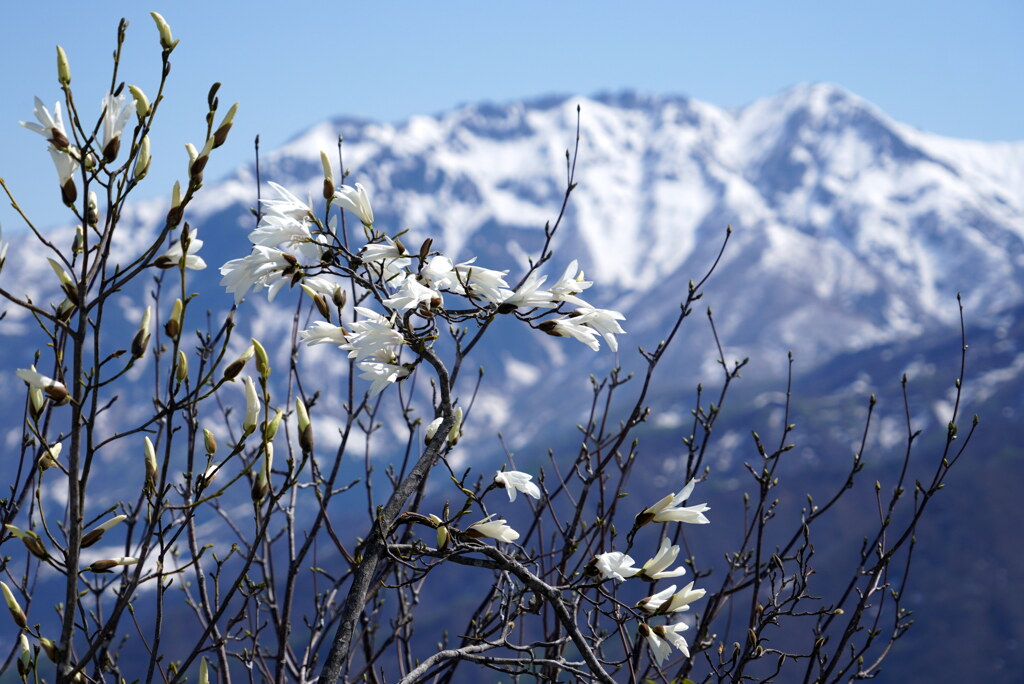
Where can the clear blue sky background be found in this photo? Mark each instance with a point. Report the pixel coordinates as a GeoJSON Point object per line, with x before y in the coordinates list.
{"type": "Point", "coordinates": [954, 68]}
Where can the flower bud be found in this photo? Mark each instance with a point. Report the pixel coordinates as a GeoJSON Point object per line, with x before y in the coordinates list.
{"type": "Point", "coordinates": [66, 283]}
{"type": "Point", "coordinates": [68, 192]}
{"type": "Point", "coordinates": [181, 367]}
{"type": "Point", "coordinates": [261, 485]}
{"type": "Point", "coordinates": [35, 395]}
{"type": "Point", "coordinates": [456, 432]}
{"type": "Point", "coordinates": [141, 101]}
{"type": "Point", "coordinates": [49, 455]}
{"type": "Point", "coordinates": [12, 605]}
{"type": "Point", "coordinates": [78, 245]}
{"type": "Point", "coordinates": [31, 541]}
{"type": "Point", "coordinates": [210, 442]}
{"type": "Point", "coordinates": [176, 212]}
{"type": "Point", "coordinates": [142, 161]}
{"type": "Point", "coordinates": [318, 300]}
{"type": "Point", "coordinates": [305, 426]}
{"type": "Point", "coordinates": [25, 657]}
{"type": "Point", "coordinates": [208, 475]}
{"type": "Point", "coordinates": [95, 534]}
{"type": "Point", "coordinates": [173, 325]}
{"type": "Point", "coordinates": [152, 472]}
{"type": "Point", "coordinates": [63, 70]}
{"type": "Point", "coordinates": [92, 210]}
{"type": "Point", "coordinates": [196, 162]}
{"type": "Point", "coordinates": [443, 533]}
{"type": "Point", "coordinates": [252, 406]}
{"type": "Point", "coordinates": [432, 429]}
{"type": "Point", "coordinates": [141, 339]}
{"type": "Point", "coordinates": [167, 41]}
{"type": "Point", "coordinates": [221, 134]}
{"type": "Point", "coordinates": [65, 309]}
{"type": "Point", "coordinates": [236, 366]}
{"type": "Point", "coordinates": [270, 429]}
{"type": "Point", "coordinates": [50, 649]}
{"type": "Point", "coordinates": [204, 675]}
{"type": "Point", "coordinates": [339, 298]}
{"type": "Point", "coordinates": [106, 564]}
{"type": "Point", "coordinates": [328, 176]}
{"type": "Point", "coordinates": [262, 362]}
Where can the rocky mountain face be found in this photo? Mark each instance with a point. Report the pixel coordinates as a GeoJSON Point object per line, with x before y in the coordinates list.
{"type": "Point", "coordinates": [851, 236]}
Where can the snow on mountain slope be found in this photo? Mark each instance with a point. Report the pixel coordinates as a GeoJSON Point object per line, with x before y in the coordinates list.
{"type": "Point", "coordinates": [850, 229]}
{"type": "Point", "coordinates": [827, 196]}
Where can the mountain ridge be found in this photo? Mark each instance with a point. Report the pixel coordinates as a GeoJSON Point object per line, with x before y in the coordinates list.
{"type": "Point", "coordinates": [852, 234]}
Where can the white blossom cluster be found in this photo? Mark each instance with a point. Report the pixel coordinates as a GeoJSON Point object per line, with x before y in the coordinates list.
{"type": "Point", "coordinates": [620, 566]}
{"type": "Point", "coordinates": [291, 246]}
{"type": "Point", "coordinates": [67, 158]}
{"type": "Point", "coordinates": [514, 482]}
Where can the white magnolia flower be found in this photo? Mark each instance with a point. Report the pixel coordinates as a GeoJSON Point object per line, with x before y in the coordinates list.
{"type": "Point", "coordinates": [116, 112]}
{"type": "Point", "coordinates": [570, 285]}
{"type": "Point", "coordinates": [495, 529]}
{"type": "Point", "coordinates": [660, 648]}
{"type": "Point", "coordinates": [670, 508]}
{"type": "Point", "coordinates": [574, 328]}
{"type": "Point", "coordinates": [529, 295]}
{"type": "Point", "coordinates": [287, 205]}
{"type": "Point", "coordinates": [604, 322]}
{"type": "Point", "coordinates": [386, 259]}
{"type": "Point", "coordinates": [669, 601]}
{"type": "Point", "coordinates": [652, 603]}
{"type": "Point", "coordinates": [662, 638]}
{"type": "Point", "coordinates": [252, 406]}
{"type": "Point", "coordinates": [264, 267]}
{"type": "Point", "coordinates": [379, 251]}
{"type": "Point", "coordinates": [373, 338]}
{"type": "Point", "coordinates": [655, 568]}
{"type": "Point", "coordinates": [514, 482]}
{"type": "Point", "coordinates": [380, 375]}
{"type": "Point", "coordinates": [323, 333]}
{"type": "Point", "coordinates": [172, 257]}
{"type": "Point", "coordinates": [412, 293]}
{"type": "Point", "coordinates": [356, 201]}
{"type": "Point", "coordinates": [65, 164]}
{"type": "Point", "coordinates": [276, 230]}
{"type": "Point", "coordinates": [485, 282]}
{"type": "Point", "coordinates": [328, 287]}
{"type": "Point", "coordinates": [439, 273]}
{"type": "Point", "coordinates": [55, 390]}
{"type": "Point", "coordinates": [671, 633]}
{"type": "Point", "coordinates": [50, 127]}
{"type": "Point", "coordinates": [616, 565]}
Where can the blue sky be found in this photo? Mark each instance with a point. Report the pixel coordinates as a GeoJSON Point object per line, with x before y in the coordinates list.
{"type": "Point", "coordinates": [953, 68]}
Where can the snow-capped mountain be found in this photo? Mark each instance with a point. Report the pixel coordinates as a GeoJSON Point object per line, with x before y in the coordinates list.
{"type": "Point", "coordinates": [852, 234]}
{"type": "Point", "coordinates": [849, 229]}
